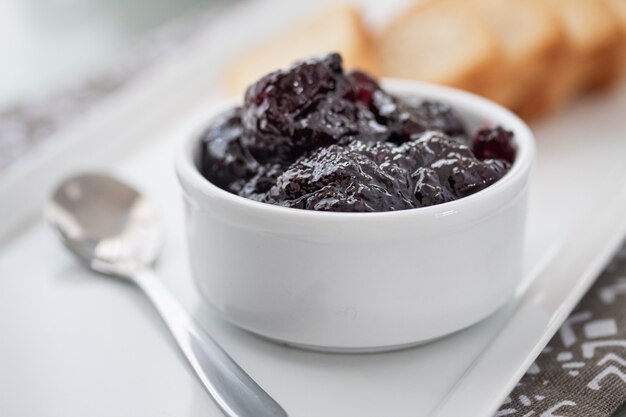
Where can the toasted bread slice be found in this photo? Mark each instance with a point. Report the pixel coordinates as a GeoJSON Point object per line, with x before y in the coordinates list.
{"type": "Point", "coordinates": [591, 58]}
{"type": "Point", "coordinates": [338, 29]}
{"type": "Point", "coordinates": [596, 37]}
{"type": "Point", "coordinates": [439, 41]}
{"type": "Point", "coordinates": [618, 7]}
{"type": "Point", "coordinates": [529, 38]}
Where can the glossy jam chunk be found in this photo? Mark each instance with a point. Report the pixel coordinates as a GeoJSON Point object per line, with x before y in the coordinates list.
{"type": "Point", "coordinates": [316, 138]}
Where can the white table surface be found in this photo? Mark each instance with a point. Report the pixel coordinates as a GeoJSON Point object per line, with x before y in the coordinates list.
{"type": "Point", "coordinates": [75, 344]}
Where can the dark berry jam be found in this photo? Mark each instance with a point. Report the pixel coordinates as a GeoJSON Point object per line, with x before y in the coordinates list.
{"type": "Point", "coordinates": [314, 137]}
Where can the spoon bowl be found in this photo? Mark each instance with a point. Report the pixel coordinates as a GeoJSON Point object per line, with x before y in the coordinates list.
{"type": "Point", "coordinates": [106, 223]}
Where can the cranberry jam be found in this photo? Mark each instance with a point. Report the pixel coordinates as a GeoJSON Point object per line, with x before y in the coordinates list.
{"type": "Point", "coordinates": [314, 137]}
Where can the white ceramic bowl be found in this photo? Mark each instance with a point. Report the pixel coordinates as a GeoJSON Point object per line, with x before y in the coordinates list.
{"type": "Point", "coordinates": [360, 281]}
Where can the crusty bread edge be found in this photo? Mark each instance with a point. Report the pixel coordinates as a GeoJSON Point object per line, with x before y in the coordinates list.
{"type": "Point", "coordinates": [474, 80]}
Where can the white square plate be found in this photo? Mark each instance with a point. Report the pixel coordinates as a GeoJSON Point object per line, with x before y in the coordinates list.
{"type": "Point", "coordinates": [77, 344]}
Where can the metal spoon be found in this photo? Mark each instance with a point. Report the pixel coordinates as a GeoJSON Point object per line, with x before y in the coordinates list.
{"type": "Point", "coordinates": [112, 229]}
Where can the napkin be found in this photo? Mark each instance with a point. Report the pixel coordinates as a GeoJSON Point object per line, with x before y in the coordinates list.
{"type": "Point", "coordinates": [582, 371]}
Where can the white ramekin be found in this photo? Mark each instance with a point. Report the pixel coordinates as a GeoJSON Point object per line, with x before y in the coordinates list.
{"type": "Point", "coordinates": [360, 281]}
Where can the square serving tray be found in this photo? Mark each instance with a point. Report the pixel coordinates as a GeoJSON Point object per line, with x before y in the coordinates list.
{"type": "Point", "coordinates": [77, 344]}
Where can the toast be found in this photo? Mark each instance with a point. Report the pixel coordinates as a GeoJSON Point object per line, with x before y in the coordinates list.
{"type": "Point", "coordinates": [338, 29]}
{"type": "Point", "coordinates": [618, 7]}
{"type": "Point", "coordinates": [529, 38]}
{"type": "Point", "coordinates": [591, 58]}
{"type": "Point", "coordinates": [439, 41]}
{"type": "Point", "coordinates": [596, 37]}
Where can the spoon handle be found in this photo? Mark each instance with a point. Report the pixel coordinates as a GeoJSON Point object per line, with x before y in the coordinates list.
{"type": "Point", "coordinates": [236, 394]}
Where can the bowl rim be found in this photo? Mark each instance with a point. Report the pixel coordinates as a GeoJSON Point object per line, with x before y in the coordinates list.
{"type": "Point", "coordinates": [188, 172]}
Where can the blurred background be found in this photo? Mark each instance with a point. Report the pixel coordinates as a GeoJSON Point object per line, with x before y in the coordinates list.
{"type": "Point", "coordinates": [50, 44]}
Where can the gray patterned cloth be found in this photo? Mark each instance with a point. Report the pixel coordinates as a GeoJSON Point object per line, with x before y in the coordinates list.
{"type": "Point", "coordinates": [582, 371]}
